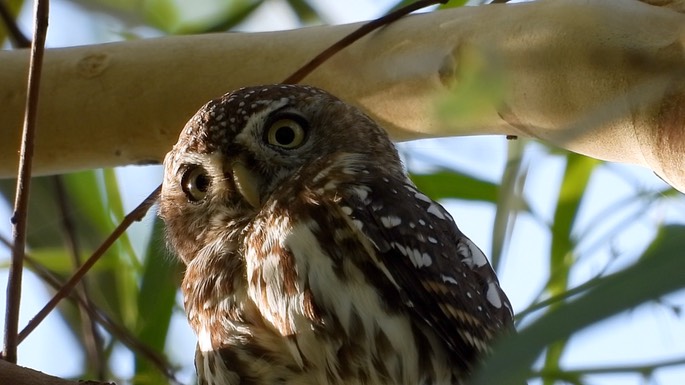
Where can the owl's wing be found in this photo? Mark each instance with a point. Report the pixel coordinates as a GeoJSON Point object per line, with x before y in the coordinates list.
{"type": "Point", "coordinates": [441, 276]}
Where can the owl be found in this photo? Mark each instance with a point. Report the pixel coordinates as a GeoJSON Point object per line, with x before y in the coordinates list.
{"type": "Point", "coordinates": [311, 258]}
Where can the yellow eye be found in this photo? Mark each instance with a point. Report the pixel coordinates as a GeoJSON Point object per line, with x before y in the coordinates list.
{"type": "Point", "coordinates": [286, 133]}
{"type": "Point", "coordinates": [195, 183]}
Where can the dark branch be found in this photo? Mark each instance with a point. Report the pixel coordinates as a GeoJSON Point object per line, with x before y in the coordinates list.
{"type": "Point", "coordinates": [19, 216]}
{"type": "Point", "coordinates": [356, 35]}
{"type": "Point", "coordinates": [19, 375]}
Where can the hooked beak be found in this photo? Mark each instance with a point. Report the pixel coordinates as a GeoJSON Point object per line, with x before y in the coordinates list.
{"type": "Point", "coordinates": [247, 184]}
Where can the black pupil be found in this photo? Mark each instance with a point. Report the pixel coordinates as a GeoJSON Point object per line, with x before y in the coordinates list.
{"type": "Point", "coordinates": [202, 182]}
{"type": "Point", "coordinates": [285, 135]}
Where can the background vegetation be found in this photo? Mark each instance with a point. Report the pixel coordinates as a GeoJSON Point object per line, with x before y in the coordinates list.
{"type": "Point", "coordinates": [575, 240]}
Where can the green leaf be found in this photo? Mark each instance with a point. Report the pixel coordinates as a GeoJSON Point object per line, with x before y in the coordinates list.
{"type": "Point", "coordinates": [60, 261]}
{"type": "Point", "coordinates": [129, 263]}
{"type": "Point", "coordinates": [482, 85]}
{"type": "Point", "coordinates": [116, 207]}
{"type": "Point", "coordinates": [84, 188]}
{"type": "Point", "coordinates": [156, 300]}
{"type": "Point", "coordinates": [162, 14]}
{"type": "Point", "coordinates": [509, 198]}
{"type": "Point", "coordinates": [230, 19]}
{"type": "Point", "coordinates": [449, 4]}
{"type": "Point", "coordinates": [43, 223]}
{"type": "Point", "coordinates": [14, 7]}
{"type": "Point", "coordinates": [304, 11]}
{"type": "Point", "coordinates": [658, 272]}
{"type": "Point", "coordinates": [44, 220]}
{"type": "Point", "coordinates": [576, 177]}
{"type": "Point", "coordinates": [452, 184]}
{"type": "Point", "coordinates": [199, 16]}
{"type": "Point", "coordinates": [88, 206]}
{"type": "Point", "coordinates": [579, 168]}
{"type": "Point", "coordinates": [453, 4]}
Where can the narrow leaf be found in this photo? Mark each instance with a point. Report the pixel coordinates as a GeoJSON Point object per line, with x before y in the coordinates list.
{"type": "Point", "coordinates": [452, 184]}
{"type": "Point", "coordinates": [657, 273]}
{"type": "Point", "coordinates": [579, 168]}
{"type": "Point", "coordinates": [156, 300]}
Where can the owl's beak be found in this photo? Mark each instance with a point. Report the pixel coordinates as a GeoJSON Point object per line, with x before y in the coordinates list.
{"type": "Point", "coordinates": [247, 184]}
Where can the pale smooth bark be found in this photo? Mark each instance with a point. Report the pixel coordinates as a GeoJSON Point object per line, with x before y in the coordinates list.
{"type": "Point", "coordinates": [603, 78]}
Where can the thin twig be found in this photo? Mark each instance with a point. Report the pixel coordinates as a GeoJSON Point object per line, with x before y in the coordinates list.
{"type": "Point", "coordinates": [19, 216]}
{"type": "Point", "coordinates": [18, 38]}
{"type": "Point", "coordinates": [588, 285]}
{"type": "Point", "coordinates": [645, 369]}
{"type": "Point", "coordinates": [91, 336]}
{"type": "Point", "coordinates": [135, 215]}
{"type": "Point", "coordinates": [362, 31]}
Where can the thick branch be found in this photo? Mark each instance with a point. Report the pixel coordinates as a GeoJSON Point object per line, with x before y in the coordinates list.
{"type": "Point", "coordinates": [19, 375]}
{"type": "Point", "coordinates": [603, 78]}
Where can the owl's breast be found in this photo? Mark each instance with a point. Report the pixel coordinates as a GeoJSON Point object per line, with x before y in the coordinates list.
{"type": "Point", "coordinates": [310, 284]}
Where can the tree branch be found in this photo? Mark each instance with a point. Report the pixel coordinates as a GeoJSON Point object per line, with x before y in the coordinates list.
{"type": "Point", "coordinates": [602, 78]}
{"type": "Point", "coordinates": [20, 214]}
{"type": "Point", "coordinates": [19, 375]}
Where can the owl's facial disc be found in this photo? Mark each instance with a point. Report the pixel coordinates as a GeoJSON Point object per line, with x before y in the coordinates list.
{"type": "Point", "coordinates": [247, 184]}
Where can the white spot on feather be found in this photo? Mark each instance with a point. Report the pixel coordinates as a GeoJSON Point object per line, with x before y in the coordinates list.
{"type": "Point", "coordinates": [474, 257]}
{"type": "Point", "coordinates": [362, 192]}
{"type": "Point", "coordinates": [435, 210]}
{"type": "Point", "coordinates": [417, 258]}
{"type": "Point", "coordinates": [426, 260]}
{"type": "Point", "coordinates": [422, 197]}
{"type": "Point", "coordinates": [493, 295]}
{"type": "Point", "coordinates": [391, 221]}
{"type": "Point", "coordinates": [448, 279]}
{"type": "Point", "coordinates": [358, 224]}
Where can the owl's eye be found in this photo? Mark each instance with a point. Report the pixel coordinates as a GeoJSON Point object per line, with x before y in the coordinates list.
{"type": "Point", "coordinates": [285, 132]}
{"type": "Point", "coordinates": [195, 183]}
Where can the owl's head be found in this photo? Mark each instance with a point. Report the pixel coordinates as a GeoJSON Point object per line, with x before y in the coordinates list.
{"type": "Point", "coordinates": [238, 149]}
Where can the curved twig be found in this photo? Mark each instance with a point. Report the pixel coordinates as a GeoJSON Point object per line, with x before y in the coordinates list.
{"type": "Point", "coordinates": [362, 31]}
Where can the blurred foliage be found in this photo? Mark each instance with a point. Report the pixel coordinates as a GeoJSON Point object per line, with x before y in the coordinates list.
{"type": "Point", "coordinates": [575, 181]}
{"type": "Point", "coordinates": [135, 291]}
{"type": "Point", "coordinates": [656, 274]}
{"type": "Point", "coordinates": [481, 85]}
{"type": "Point", "coordinates": [13, 6]}
{"type": "Point", "coordinates": [138, 290]}
{"type": "Point", "coordinates": [191, 17]}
